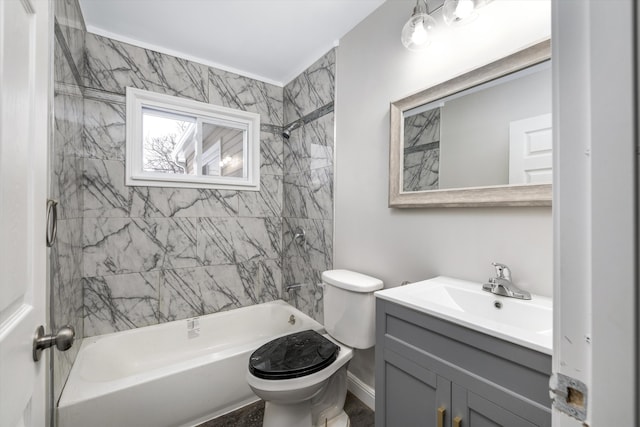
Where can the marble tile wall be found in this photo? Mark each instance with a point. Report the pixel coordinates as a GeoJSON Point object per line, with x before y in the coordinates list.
{"type": "Point", "coordinates": [145, 255]}
{"type": "Point", "coordinates": [308, 183]}
{"type": "Point", "coordinates": [421, 169]}
{"type": "Point", "coordinates": [65, 256]}
{"type": "Point", "coordinates": [154, 254]}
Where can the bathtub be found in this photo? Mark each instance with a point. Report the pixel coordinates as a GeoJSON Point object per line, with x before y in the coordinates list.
{"type": "Point", "coordinates": [179, 373]}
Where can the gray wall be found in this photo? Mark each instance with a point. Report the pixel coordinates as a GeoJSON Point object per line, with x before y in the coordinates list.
{"type": "Point", "coordinates": [413, 244]}
{"type": "Point", "coordinates": [65, 257]}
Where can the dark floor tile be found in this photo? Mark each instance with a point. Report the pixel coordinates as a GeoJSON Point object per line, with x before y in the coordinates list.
{"type": "Point", "coordinates": [248, 416]}
{"type": "Point", "coordinates": [359, 413]}
{"type": "Point", "coordinates": [251, 415]}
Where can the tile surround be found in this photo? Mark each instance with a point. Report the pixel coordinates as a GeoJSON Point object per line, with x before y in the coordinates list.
{"type": "Point", "coordinates": [202, 290]}
{"type": "Point", "coordinates": [66, 178]}
{"type": "Point", "coordinates": [310, 146]}
{"type": "Point", "coordinates": [155, 254]}
{"type": "Point", "coordinates": [309, 194]}
{"type": "Point", "coordinates": [104, 130]}
{"type": "Point", "coordinates": [111, 66]}
{"type": "Point", "coordinates": [308, 183]}
{"type": "Point", "coordinates": [212, 249]}
{"type": "Point", "coordinates": [65, 257]}
{"type": "Point", "coordinates": [118, 303]}
{"type": "Point", "coordinates": [235, 91]}
{"type": "Point", "coordinates": [312, 89]}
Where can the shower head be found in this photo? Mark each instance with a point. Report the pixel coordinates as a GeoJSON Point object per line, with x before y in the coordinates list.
{"type": "Point", "coordinates": [286, 134]}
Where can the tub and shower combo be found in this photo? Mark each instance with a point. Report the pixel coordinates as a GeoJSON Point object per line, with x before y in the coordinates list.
{"type": "Point", "coordinates": [180, 373]}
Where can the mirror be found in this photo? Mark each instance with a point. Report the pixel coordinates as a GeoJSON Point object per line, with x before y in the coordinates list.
{"type": "Point", "coordinates": [480, 139]}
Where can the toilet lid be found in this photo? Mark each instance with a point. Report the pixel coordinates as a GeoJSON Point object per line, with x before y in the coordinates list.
{"type": "Point", "coordinates": [293, 356]}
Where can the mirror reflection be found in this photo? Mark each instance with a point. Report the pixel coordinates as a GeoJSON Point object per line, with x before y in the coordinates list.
{"type": "Point", "coordinates": [497, 133]}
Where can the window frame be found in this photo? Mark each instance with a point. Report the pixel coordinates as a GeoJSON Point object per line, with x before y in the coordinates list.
{"type": "Point", "coordinates": [137, 99]}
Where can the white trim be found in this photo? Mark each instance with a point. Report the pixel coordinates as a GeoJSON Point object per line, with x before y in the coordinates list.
{"type": "Point", "coordinates": [136, 99]}
{"type": "Point", "coordinates": [362, 391]}
{"type": "Point", "coordinates": [150, 46]}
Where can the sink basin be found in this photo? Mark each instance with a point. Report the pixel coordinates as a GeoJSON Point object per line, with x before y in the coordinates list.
{"type": "Point", "coordinates": [525, 322]}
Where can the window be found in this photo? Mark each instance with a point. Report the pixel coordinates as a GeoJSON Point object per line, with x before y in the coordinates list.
{"type": "Point", "coordinates": [176, 142]}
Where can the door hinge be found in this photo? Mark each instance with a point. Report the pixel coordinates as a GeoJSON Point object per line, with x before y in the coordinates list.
{"type": "Point", "coordinates": [569, 395]}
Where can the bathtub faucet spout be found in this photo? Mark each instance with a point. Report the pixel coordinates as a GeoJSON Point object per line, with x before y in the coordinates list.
{"type": "Point", "coordinates": [293, 287]}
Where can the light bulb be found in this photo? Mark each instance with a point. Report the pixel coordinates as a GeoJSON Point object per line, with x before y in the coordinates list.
{"type": "Point", "coordinates": [418, 32]}
{"type": "Point", "coordinates": [458, 11]}
{"type": "Point", "coordinates": [464, 9]}
{"type": "Point", "coordinates": [419, 35]}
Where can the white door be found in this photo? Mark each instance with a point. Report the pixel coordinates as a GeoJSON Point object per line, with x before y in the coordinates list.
{"type": "Point", "coordinates": [24, 101]}
{"type": "Point", "coordinates": [530, 156]}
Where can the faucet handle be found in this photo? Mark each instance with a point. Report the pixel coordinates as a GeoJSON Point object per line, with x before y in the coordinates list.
{"type": "Point", "coordinates": [502, 271]}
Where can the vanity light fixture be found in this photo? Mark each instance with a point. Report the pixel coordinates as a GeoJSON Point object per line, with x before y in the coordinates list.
{"type": "Point", "coordinates": [459, 11]}
{"type": "Point", "coordinates": [417, 32]}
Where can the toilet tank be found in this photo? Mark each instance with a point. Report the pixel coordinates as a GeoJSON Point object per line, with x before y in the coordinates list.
{"type": "Point", "coordinates": [350, 307]}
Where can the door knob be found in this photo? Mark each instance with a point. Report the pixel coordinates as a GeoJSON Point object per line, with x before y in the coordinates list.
{"type": "Point", "coordinates": [63, 340]}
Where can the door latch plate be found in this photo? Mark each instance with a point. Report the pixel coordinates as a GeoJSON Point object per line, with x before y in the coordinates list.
{"type": "Point", "coordinates": [569, 396]}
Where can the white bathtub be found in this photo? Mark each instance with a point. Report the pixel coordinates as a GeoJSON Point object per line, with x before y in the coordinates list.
{"type": "Point", "coordinates": [165, 375]}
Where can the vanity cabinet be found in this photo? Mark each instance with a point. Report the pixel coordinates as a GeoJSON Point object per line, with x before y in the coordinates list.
{"type": "Point", "coordinates": [434, 373]}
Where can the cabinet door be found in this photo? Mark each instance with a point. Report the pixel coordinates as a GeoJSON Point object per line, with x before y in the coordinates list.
{"type": "Point", "coordinates": [475, 411]}
{"type": "Point", "coordinates": [413, 395]}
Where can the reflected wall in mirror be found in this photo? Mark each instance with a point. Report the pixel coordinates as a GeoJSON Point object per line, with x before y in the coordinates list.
{"type": "Point", "coordinates": [421, 154]}
{"type": "Point", "coordinates": [480, 139]}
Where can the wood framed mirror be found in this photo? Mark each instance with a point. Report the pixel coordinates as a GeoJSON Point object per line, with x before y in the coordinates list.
{"type": "Point", "coordinates": [480, 139]}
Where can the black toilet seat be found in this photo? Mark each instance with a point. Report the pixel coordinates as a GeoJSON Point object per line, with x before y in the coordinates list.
{"type": "Point", "coordinates": [293, 356]}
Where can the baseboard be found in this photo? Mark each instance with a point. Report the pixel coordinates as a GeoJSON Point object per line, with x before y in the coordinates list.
{"type": "Point", "coordinates": [362, 391]}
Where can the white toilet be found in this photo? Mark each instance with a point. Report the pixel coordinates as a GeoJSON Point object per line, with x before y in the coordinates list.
{"type": "Point", "coordinates": [303, 376]}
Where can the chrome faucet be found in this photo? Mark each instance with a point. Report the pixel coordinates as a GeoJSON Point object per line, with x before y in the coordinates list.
{"type": "Point", "coordinates": [502, 284]}
{"type": "Point", "coordinates": [293, 287]}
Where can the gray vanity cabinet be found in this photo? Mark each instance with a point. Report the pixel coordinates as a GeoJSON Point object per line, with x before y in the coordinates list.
{"type": "Point", "coordinates": [429, 371]}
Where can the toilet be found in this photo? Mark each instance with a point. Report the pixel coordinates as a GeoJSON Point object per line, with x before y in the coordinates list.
{"type": "Point", "coordinates": [302, 377]}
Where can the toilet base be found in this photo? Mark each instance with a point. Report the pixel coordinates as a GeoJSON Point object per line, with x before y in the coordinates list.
{"type": "Point", "coordinates": [295, 415]}
{"type": "Point", "coordinates": [342, 420]}
{"type": "Point", "coordinates": [298, 415]}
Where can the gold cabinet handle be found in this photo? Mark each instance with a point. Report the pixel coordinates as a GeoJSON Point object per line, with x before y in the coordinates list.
{"type": "Point", "coordinates": [457, 422]}
{"type": "Point", "coordinates": [441, 412]}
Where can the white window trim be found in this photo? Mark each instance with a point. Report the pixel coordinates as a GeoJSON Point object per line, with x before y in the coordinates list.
{"type": "Point", "coordinates": [135, 176]}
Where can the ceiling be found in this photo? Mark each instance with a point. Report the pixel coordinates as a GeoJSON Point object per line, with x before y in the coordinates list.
{"type": "Point", "coordinates": [271, 40]}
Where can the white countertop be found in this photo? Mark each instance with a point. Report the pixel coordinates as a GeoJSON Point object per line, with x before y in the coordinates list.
{"type": "Point", "coordinates": [528, 323]}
